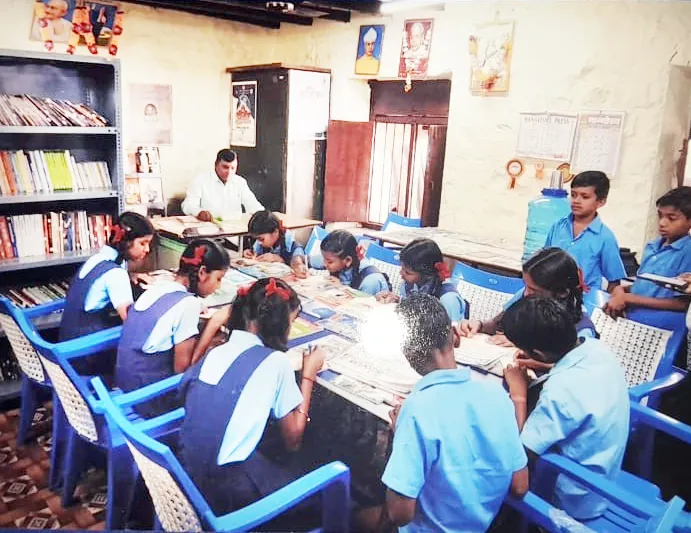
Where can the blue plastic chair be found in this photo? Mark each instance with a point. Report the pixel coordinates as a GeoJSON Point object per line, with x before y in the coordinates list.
{"type": "Point", "coordinates": [388, 261]}
{"type": "Point", "coordinates": [35, 382]}
{"type": "Point", "coordinates": [313, 248]}
{"type": "Point", "coordinates": [77, 429]}
{"type": "Point", "coordinates": [627, 511]}
{"type": "Point", "coordinates": [484, 292]}
{"type": "Point", "coordinates": [179, 504]}
{"type": "Point", "coordinates": [396, 222]}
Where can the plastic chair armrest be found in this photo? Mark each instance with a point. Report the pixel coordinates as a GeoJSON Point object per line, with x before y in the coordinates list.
{"type": "Point", "coordinates": [542, 513]}
{"type": "Point", "coordinates": [602, 486]}
{"type": "Point", "coordinates": [88, 344]}
{"type": "Point", "coordinates": [660, 422]}
{"type": "Point", "coordinates": [44, 309]}
{"type": "Point", "coordinates": [162, 424]}
{"type": "Point", "coordinates": [669, 381]}
{"type": "Point", "coordinates": [148, 392]}
{"type": "Point", "coordinates": [249, 517]}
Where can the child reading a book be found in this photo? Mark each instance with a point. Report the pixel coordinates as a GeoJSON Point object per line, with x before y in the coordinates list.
{"type": "Point", "coordinates": [583, 409]}
{"type": "Point", "coordinates": [230, 395]}
{"type": "Point", "coordinates": [160, 337]}
{"type": "Point", "coordinates": [551, 272]}
{"type": "Point", "coordinates": [423, 270]}
{"type": "Point", "coordinates": [274, 243]}
{"type": "Point", "coordinates": [669, 255]}
{"type": "Point", "coordinates": [101, 294]}
{"type": "Point", "coordinates": [345, 260]}
{"type": "Point", "coordinates": [456, 448]}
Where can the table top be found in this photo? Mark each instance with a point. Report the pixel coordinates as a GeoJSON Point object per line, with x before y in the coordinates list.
{"type": "Point", "coordinates": [460, 246]}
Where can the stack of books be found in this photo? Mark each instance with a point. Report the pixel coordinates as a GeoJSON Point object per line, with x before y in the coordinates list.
{"type": "Point", "coordinates": [39, 171]}
{"type": "Point", "coordinates": [26, 110]}
{"type": "Point", "coordinates": [33, 295]}
{"type": "Point", "coordinates": [52, 233]}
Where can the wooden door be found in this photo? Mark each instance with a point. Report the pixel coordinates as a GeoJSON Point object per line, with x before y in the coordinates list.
{"type": "Point", "coordinates": [346, 183]}
{"type": "Point", "coordinates": [434, 173]}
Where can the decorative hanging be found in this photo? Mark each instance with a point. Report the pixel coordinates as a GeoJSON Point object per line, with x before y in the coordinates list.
{"type": "Point", "coordinates": [514, 169]}
{"type": "Point", "coordinates": [82, 27]}
{"type": "Point", "coordinates": [40, 11]}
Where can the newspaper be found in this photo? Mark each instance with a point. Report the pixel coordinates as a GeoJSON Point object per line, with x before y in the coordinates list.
{"type": "Point", "coordinates": [347, 326]}
{"type": "Point", "coordinates": [332, 345]}
{"type": "Point", "coordinates": [261, 269]}
{"type": "Point", "coordinates": [478, 351]}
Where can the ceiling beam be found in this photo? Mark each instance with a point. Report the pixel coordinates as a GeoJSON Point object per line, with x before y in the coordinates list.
{"type": "Point", "coordinates": [210, 10]}
{"type": "Point", "coordinates": [371, 7]}
{"type": "Point", "coordinates": [332, 13]}
{"type": "Point", "coordinates": [252, 9]}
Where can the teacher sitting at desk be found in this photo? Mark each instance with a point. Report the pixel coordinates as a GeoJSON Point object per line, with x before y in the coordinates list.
{"type": "Point", "coordinates": [221, 193]}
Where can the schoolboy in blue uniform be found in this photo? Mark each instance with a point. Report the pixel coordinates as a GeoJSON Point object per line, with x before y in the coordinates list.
{"type": "Point", "coordinates": [160, 336]}
{"type": "Point", "coordinates": [231, 394]}
{"type": "Point", "coordinates": [585, 237]}
{"type": "Point", "coordinates": [342, 258]}
{"type": "Point", "coordinates": [456, 449]}
{"type": "Point", "coordinates": [423, 270]}
{"type": "Point", "coordinates": [669, 255]}
{"type": "Point", "coordinates": [583, 408]}
{"type": "Point", "coordinates": [274, 243]}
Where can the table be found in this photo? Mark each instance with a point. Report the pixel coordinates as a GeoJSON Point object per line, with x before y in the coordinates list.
{"type": "Point", "coordinates": [492, 253]}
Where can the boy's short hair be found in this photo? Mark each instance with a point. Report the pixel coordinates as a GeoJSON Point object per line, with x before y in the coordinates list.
{"type": "Point", "coordinates": [427, 327]}
{"type": "Point", "coordinates": [541, 323]}
{"type": "Point", "coordinates": [679, 198]}
{"type": "Point", "coordinates": [593, 178]}
{"type": "Point", "coordinates": [226, 155]}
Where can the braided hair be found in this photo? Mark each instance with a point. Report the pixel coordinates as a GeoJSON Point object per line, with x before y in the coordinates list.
{"type": "Point", "coordinates": [202, 253]}
{"type": "Point", "coordinates": [342, 244]}
{"type": "Point", "coordinates": [266, 222]}
{"type": "Point", "coordinates": [129, 226]}
{"type": "Point", "coordinates": [424, 257]}
{"type": "Point", "coordinates": [268, 303]}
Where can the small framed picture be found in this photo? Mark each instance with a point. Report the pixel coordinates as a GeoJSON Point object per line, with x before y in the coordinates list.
{"type": "Point", "coordinates": [369, 47]}
{"type": "Point", "coordinates": [415, 48]}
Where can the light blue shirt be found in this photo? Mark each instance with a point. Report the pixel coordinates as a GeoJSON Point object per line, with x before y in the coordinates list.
{"type": "Point", "coordinates": [455, 449]}
{"type": "Point", "coordinates": [595, 250]}
{"type": "Point", "coordinates": [270, 391]}
{"type": "Point", "coordinates": [291, 244]}
{"type": "Point", "coordinates": [372, 284]}
{"type": "Point", "coordinates": [176, 325]}
{"type": "Point", "coordinates": [112, 288]}
{"type": "Point", "coordinates": [663, 260]}
{"type": "Point", "coordinates": [583, 414]}
{"type": "Point", "coordinates": [451, 301]}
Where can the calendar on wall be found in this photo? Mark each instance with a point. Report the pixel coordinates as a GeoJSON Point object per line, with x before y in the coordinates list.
{"type": "Point", "coordinates": [598, 141]}
{"type": "Point", "coordinates": [546, 135]}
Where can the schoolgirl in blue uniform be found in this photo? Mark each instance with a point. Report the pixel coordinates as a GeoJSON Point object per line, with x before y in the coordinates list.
{"type": "Point", "coordinates": [230, 395]}
{"type": "Point", "coordinates": [274, 243]}
{"type": "Point", "coordinates": [160, 337]}
{"type": "Point", "coordinates": [101, 292]}
{"type": "Point", "coordinates": [344, 260]}
{"type": "Point", "coordinates": [423, 270]}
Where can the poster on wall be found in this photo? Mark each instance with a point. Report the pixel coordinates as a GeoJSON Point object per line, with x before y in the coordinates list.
{"type": "Point", "coordinates": [546, 135]}
{"type": "Point", "coordinates": [308, 101]}
{"type": "Point", "coordinates": [490, 49]}
{"type": "Point", "coordinates": [151, 113]}
{"type": "Point", "coordinates": [598, 141]}
{"type": "Point", "coordinates": [243, 128]}
{"type": "Point", "coordinates": [98, 23]}
{"type": "Point", "coordinates": [369, 49]}
{"type": "Point", "coordinates": [415, 48]}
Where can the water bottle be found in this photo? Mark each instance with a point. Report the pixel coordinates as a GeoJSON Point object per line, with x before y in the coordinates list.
{"type": "Point", "coordinates": [544, 211]}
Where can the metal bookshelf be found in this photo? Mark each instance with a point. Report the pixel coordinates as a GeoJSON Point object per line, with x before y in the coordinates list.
{"type": "Point", "coordinates": [95, 82]}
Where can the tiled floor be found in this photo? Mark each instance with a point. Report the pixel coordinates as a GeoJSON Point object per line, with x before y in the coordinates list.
{"type": "Point", "coordinates": [25, 501]}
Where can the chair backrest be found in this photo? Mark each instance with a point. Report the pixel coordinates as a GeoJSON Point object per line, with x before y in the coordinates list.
{"type": "Point", "coordinates": [484, 292]}
{"type": "Point", "coordinates": [396, 222]}
{"type": "Point", "coordinates": [25, 353]}
{"type": "Point", "coordinates": [388, 261]}
{"type": "Point", "coordinates": [313, 247]}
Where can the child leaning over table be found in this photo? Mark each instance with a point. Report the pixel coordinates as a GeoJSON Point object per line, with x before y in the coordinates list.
{"type": "Point", "coordinates": [456, 449]}
{"type": "Point", "coordinates": [668, 255]}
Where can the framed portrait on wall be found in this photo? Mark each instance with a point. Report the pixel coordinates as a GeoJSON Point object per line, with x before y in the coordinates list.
{"type": "Point", "coordinates": [53, 19]}
{"type": "Point", "coordinates": [369, 47]}
{"type": "Point", "coordinates": [243, 126]}
{"type": "Point", "coordinates": [415, 48]}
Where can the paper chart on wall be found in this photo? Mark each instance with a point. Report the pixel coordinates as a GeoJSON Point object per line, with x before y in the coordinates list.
{"type": "Point", "coordinates": [598, 141]}
{"type": "Point", "coordinates": [546, 135]}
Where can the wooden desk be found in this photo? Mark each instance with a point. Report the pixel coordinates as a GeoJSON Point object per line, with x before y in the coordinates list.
{"type": "Point", "coordinates": [483, 252]}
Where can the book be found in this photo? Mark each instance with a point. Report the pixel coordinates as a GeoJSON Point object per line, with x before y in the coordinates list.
{"type": "Point", "coordinates": [261, 269]}
{"type": "Point", "coordinates": [347, 326]}
{"type": "Point", "coordinates": [26, 296]}
{"type": "Point", "coordinates": [317, 309]}
{"type": "Point", "coordinates": [26, 110]}
{"type": "Point", "coordinates": [301, 328]}
{"type": "Point", "coordinates": [185, 226]}
{"type": "Point", "coordinates": [478, 351]}
{"type": "Point", "coordinates": [332, 345]}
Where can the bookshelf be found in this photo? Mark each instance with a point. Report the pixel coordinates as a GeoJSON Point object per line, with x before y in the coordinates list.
{"type": "Point", "coordinates": [95, 83]}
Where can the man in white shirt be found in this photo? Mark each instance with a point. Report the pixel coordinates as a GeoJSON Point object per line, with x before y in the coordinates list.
{"type": "Point", "coordinates": [220, 193]}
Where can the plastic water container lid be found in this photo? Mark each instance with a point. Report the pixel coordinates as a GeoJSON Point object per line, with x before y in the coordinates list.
{"type": "Point", "coordinates": [555, 186]}
{"type": "Point", "coordinates": [555, 193]}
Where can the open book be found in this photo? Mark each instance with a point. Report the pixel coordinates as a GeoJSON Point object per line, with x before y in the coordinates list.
{"type": "Point", "coordinates": [479, 352]}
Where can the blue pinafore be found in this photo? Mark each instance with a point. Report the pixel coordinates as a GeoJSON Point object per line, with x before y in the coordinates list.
{"type": "Point", "coordinates": [76, 322]}
{"type": "Point", "coordinates": [134, 368]}
{"type": "Point", "coordinates": [284, 252]}
{"type": "Point", "coordinates": [208, 410]}
{"type": "Point", "coordinates": [360, 275]}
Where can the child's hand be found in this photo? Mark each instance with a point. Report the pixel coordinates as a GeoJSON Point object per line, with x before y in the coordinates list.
{"type": "Point", "coordinates": [687, 278]}
{"type": "Point", "coordinates": [222, 315]}
{"type": "Point", "coordinates": [524, 361]}
{"type": "Point", "coordinates": [386, 297]}
{"type": "Point", "coordinates": [393, 414]}
{"type": "Point", "coordinates": [616, 306]}
{"type": "Point", "coordinates": [299, 269]}
{"type": "Point", "coordinates": [517, 380]}
{"type": "Point", "coordinates": [270, 258]}
{"type": "Point", "coordinates": [248, 254]}
{"type": "Point", "coordinates": [312, 362]}
{"type": "Point", "coordinates": [205, 216]}
{"type": "Point", "coordinates": [139, 278]}
{"type": "Point", "coordinates": [468, 328]}
{"type": "Point", "coordinates": [500, 340]}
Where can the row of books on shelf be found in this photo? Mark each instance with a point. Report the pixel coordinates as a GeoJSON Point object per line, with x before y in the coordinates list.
{"type": "Point", "coordinates": [27, 110]}
{"type": "Point", "coordinates": [52, 233]}
{"type": "Point", "coordinates": [40, 171]}
{"type": "Point", "coordinates": [33, 295]}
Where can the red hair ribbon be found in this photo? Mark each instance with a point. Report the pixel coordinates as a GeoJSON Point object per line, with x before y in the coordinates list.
{"type": "Point", "coordinates": [118, 233]}
{"type": "Point", "coordinates": [281, 226]}
{"type": "Point", "coordinates": [581, 282]}
{"type": "Point", "coordinates": [197, 258]}
{"type": "Point", "coordinates": [360, 252]}
{"type": "Point", "coordinates": [442, 270]}
{"type": "Point", "coordinates": [245, 290]}
{"type": "Point", "coordinates": [273, 288]}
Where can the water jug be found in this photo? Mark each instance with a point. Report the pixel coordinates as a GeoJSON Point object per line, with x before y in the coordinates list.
{"type": "Point", "coordinates": [544, 211]}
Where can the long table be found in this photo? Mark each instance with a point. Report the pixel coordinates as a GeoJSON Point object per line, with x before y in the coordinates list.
{"type": "Point", "coordinates": [477, 251]}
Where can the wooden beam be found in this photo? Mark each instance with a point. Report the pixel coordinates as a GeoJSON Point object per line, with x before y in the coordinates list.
{"type": "Point", "coordinates": [271, 66]}
{"type": "Point", "coordinates": [332, 13]}
{"type": "Point", "coordinates": [250, 9]}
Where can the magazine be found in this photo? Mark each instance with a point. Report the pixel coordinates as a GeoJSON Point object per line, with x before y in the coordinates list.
{"type": "Point", "coordinates": [332, 345]}
{"type": "Point", "coordinates": [344, 325]}
{"type": "Point", "coordinates": [261, 269]}
{"type": "Point", "coordinates": [303, 328]}
{"type": "Point", "coordinates": [479, 352]}
{"type": "Point", "coordinates": [316, 309]}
